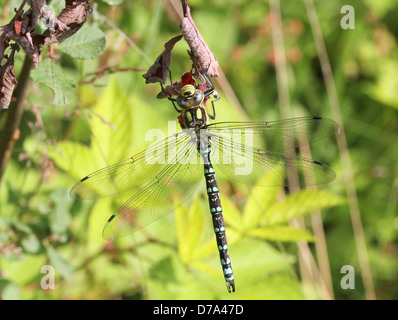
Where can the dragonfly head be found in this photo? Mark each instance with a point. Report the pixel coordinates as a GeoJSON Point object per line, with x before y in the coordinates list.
{"type": "Point", "coordinates": [190, 97]}
{"type": "Point", "coordinates": [188, 91]}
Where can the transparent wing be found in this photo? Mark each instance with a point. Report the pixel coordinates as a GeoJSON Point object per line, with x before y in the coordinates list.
{"type": "Point", "coordinates": [235, 152]}
{"type": "Point", "coordinates": [255, 163]}
{"type": "Point", "coordinates": [169, 189]}
{"type": "Point", "coordinates": [277, 135]}
{"type": "Point", "coordinates": [131, 172]}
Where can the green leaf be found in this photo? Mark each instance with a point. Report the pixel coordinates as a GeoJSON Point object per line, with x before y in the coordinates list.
{"type": "Point", "coordinates": [60, 215]}
{"type": "Point", "coordinates": [30, 243]}
{"type": "Point", "coordinates": [24, 271]}
{"type": "Point", "coordinates": [381, 7]}
{"type": "Point", "coordinates": [385, 86]}
{"type": "Point", "coordinates": [112, 131]}
{"type": "Point", "coordinates": [190, 227]}
{"type": "Point", "coordinates": [51, 75]}
{"type": "Point", "coordinates": [113, 2]}
{"type": "Point", "coordinates": [9, 290]}
{"type": "Point", "coordinates": [88, 43]}
{"type": "Point", "coordinates": [255, 264]}
{"type": "Point", "coordinates": [100, 213]}
{"type": "Point", "coordinates": [165, 270]}
{"type": "Point", "coordinates": [281, 233]}
{"type": "Point", "coordinates": [299, 204]}
{"type": "Point", "coordinates": [259, 201]}
{"type": "Point", "coordinates": [232, 216]}
{"type": "Point", "coordinates": [76, 159]}
{"type": "Point", "coordinates": [58, 262]}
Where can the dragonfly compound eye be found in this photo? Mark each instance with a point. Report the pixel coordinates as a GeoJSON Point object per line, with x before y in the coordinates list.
{"type": "Point", "coordinates": [183, 102]}
{"type": "Point", "coordinates": [190, 97]}
{"type": "Point", "coordinates": [197, 98]}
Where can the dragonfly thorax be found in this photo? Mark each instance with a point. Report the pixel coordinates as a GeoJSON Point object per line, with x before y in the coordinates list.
{"type": "Point", "coordinates": [194, 118]}
{"type": "Point", "coordinates": [190, 97]}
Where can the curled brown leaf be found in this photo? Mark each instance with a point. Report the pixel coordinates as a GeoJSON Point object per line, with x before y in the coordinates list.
{"type": "Point", "coordinates": [26, 42]}
{"type": "Point", "coordinates": [8, 80]}
{"type": "Point", "coordinates": [68, 22]}
{"type": "Point", "coordinates": [159, 71]}
{"type": "Point", "coordinates": [199, 49]}
{"type": "Point", "coordinates": [74, 12]}
{"type": "Point", "coordinates": [34, 15]}
{"type": "Point", "coordinates": [21, 27]}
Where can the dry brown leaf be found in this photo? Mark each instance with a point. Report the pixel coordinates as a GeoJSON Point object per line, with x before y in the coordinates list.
{"type": "Point", "coordinates": [8, 80]}
{"type": "Point", "coordinates": [25, 41]}
{"type": "Point", "coordinates": [35, 12]}
{"type": "Point", "coordinates": [21, 28]}
{"type": "Point", "coordinates": [199, 48]}
{"type": "Point", "coordinates": [159, 71]}
{"type": "Point", "coordinates": [74, 12]}
{"type": "Point", "coordinates": [61, 33]}
{"type": "Point", "coordinates": [68, 22]}
{"type": "Point", "coordinates": [3, 45]}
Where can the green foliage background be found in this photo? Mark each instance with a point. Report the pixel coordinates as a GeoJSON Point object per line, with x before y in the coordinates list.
{"type": "Point", "coordinates": [72, 127]}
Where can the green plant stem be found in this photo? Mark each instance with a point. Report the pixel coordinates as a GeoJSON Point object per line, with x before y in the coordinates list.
{"type": "Point", "coordinates": [11, 128]}
{"type": "Point", "coordinates": [348, 171]}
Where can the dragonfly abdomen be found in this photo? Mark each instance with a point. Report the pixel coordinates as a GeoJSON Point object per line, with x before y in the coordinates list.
{"type": "Point", "coordinates": [218, 224]}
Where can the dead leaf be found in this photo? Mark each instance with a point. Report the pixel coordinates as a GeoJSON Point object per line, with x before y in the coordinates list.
{"type": "Point", "coordinates": [159, 71]}
{"type": "Point", "coordinates": [26, 42]}
{"type": "Point", "coordinates": [68, 22]}
{"type": "Point", "coordinates": [8, 80]}
{"type": "Point", "coordinates": [63, 32]}
{"type": "Point", "coordinates": [74, 12]}
{"type": "Point", "coordinates": [36, 6]}
{"type": "Point", "coordinates": [3, 45]}
{"type": "Point", "coordinates": [199, 48]}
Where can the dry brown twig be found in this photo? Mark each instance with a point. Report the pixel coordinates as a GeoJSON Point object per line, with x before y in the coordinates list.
{"type": "Point", "coordinates": [91, 78]}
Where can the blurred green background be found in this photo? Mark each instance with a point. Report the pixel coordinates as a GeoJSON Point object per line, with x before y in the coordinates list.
{"type": "Point", "coordinates": [89, 120]}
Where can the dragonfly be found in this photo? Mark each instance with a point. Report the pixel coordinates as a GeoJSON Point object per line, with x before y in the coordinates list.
{"type": "Point", "coordinates": [173, 167]}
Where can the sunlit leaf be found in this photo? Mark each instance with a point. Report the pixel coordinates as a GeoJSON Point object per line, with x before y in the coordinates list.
{"type": "Point", "coordinates": [232, 216]}
{"type": "Point", "coordinates": [60, 215]}
{"type": "Point", "coordinates": [25, 270]}
{"type": "Point", "coordinates": [100, 213]}
{"type": "Point", "coordinates": [299, 204]}
{"type": "Point", "coordinates": [88, 43]}
{"type": "Point", "coordinates": [59, 262]}
{"type": "Point", "coordinates": [190, 227]}
{"type": "Point", "coordinates": [9, 290]}
{"type": "Point", "coordinates": [259, 201]}
{"type": "Point", "coordinates": [75, 158]}
{"type": "Point", "coordinates": [51, 75]}
{"type": "Point", "coordinates": [281, 233]}
{"type": "Point", "coordinates": [112, 131]}
{"type": "Point", "coordinates": [31, 243]}
{"type": "Point", "coordinates": [384, 88]}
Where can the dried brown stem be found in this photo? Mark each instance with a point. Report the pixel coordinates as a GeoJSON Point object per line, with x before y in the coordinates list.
{"type": "Point", "coordinates": [11, 132]}
{"type": "Point", "coordinates": [94, 76]}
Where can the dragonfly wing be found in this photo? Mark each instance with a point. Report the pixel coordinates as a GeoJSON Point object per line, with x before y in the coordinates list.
{"type": "Point", "coordinates": [247, 164]}
{"type": "Point", "coordinates": [131, 172]}
{"type": "Point", "coordinates": [169, 189]}
{"type": "Point", "coordinates": [277, 135]}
